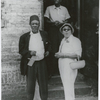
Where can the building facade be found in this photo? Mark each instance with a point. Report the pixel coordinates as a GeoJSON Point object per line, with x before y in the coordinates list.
{"type": "Point", "coordinates": [15, 16]}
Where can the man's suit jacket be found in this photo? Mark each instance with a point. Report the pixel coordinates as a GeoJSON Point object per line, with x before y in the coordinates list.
{"type": "Point", "coordinates": [24, 49]}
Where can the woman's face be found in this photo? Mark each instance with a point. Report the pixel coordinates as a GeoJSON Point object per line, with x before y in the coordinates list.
{"type": "Point", "coordinates": [66, 31]}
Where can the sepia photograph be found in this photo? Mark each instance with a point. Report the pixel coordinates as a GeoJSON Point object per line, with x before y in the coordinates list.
{"type": "Point", "coordinates": [49, 49]}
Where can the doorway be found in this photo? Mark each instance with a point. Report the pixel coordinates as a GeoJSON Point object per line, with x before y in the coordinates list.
{"type": "Point", "coordinates": [84, 15]}
{"type": "Point", "coordinates": [72, 7]}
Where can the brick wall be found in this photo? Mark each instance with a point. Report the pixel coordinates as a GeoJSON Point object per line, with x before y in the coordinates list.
{"type": "Point", "coordinates": [15, 22]}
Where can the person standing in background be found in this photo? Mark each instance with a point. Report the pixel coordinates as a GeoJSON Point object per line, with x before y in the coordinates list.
{"type": "Point", "coordinates": [55, 15]}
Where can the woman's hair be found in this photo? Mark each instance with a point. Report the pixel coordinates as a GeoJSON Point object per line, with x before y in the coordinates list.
{"type": "Point", "coordinates": [69, 25]}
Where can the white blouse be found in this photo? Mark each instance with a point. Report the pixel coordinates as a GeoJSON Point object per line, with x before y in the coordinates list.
{"type": "Point", "coordinates": [71, 45]}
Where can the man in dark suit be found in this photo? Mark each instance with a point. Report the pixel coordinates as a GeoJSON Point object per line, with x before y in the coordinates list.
{"type": "Point", "coordinates": [34, 44]}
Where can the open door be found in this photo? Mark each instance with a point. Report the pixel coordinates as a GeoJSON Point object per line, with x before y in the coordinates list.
{"type": "Point", "coordinates": [85, 18]}
{"type": "Point", "coordinates": [73, 7]}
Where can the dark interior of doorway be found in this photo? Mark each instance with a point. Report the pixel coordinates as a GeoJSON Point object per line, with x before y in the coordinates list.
{"type": "Point", "coordinates": [86, 11]}
{"type": "Point", "coordinates": [89, 13]}
{"type": "Point", "coordinates": [71, 5]}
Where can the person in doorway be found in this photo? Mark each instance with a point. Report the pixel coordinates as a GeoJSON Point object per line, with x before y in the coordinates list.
{"type": "Point", "coordinates": [34, 44]}
{"type": "Point", "coordinates": [69, 50]}
{"type": "Point", "coordinates": [55, 15]}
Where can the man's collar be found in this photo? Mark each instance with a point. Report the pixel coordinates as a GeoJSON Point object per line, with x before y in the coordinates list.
{"type": "Point", "coordinates": [31, 33]}
{"type": "Point", "coordinates": [57, 7]}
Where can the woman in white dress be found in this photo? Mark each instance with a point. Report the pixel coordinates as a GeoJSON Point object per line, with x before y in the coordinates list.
{"type": "Point", "coordinates": [69, 50]}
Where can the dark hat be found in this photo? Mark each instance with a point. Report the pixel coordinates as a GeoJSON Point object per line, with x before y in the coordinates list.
{"type": "Point", "coordinates": [67, 24]}
{"type": "Point", "coordinates": [34, 17]}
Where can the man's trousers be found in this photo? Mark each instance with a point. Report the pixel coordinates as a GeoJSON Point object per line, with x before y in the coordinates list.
{"type": "Point", "coordinates": [37, 71]}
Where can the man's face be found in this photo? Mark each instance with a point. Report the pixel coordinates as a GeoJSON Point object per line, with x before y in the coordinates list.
{"type": "Point", "coordinates": [35, 26]}
{"type": "Point", "coordinates": [57, 1]}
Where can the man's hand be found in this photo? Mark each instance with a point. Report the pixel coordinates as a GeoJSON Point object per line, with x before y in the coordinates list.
{"type": "Point", "coordinates": [57, 23]}
{"type": "Point", "coordinates": [46, 54]}
{"type": "Point", "coordinates": [33, 53]}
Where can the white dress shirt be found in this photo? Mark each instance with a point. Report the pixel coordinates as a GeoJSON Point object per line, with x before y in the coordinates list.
{"type": "Point", "coordinates": [36, 44]}
{"type": "Point", "coordinates": [57, 13]}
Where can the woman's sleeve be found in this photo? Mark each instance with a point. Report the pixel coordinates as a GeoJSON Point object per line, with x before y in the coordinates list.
{"type": "Point", "coordinates": [77, 47]}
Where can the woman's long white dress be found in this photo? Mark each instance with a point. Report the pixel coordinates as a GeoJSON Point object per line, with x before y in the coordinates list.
{"type": "Point", "coordinates": [68, 76]}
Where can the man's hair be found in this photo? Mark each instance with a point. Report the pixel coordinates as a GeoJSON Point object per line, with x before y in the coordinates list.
{"type": "Point", "coordinates": [34, 17]}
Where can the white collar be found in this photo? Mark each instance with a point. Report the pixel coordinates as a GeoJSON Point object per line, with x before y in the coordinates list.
{"type": "Point", "coordinates": [31, 33]}
{"type": "Point", "coordinates": [57, 7]}
{"type": "Point", "coordinates": [68, 40]}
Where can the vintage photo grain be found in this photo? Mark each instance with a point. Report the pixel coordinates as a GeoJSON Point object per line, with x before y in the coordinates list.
{"type": "Point", "coordinates": [49, 49]}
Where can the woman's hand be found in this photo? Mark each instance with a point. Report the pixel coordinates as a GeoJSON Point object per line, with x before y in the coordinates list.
{"type": "Point", "coordinates": [59, 55]}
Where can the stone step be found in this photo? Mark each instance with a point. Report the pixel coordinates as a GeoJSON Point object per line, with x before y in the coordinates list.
{"type": "Point", "coordinates": [55, 90]}
{"type": "Point", "coordinates": [59, 86]}
{"type": "Point", "coordinates": [56, 79]}
{"type": "Point", "coordinates": [78, 98]}
{"type": "Point", "coordinates": [81, 89]}
{"type": "Point", "coordinates": [23, 97]}
{"type": "Point", "coordinates": [55, 87]}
